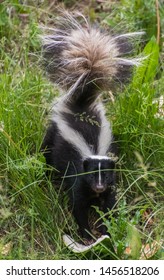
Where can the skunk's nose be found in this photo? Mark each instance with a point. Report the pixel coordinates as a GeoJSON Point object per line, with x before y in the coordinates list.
{"type": "Point", "coordinates": [99, 188]}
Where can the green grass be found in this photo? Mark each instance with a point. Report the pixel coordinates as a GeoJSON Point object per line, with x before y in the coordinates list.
{"type": "Point", "coordinates": [32, 221]}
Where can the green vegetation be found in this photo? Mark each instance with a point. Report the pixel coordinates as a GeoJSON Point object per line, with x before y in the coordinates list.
{"type": "Point", "coordinates": [32, 221]}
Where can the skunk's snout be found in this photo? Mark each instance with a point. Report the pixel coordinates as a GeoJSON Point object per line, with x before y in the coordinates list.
{"type": "Point", "coordinates": [99, 188]}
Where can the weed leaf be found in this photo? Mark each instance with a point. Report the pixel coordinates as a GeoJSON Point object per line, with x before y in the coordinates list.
{"type": "Point", "coordinates": [147, 71]}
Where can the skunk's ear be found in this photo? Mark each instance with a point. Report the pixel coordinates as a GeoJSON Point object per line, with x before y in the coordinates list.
{"type": "Point", "coordinates": [86, 164]}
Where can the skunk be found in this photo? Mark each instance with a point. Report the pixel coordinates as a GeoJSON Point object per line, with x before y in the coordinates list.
{"type": "Point", "coordinates": [83, 61]}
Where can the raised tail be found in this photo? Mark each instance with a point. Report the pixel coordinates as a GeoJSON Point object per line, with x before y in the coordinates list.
{"type": "Point", "coordinates": [82, 59]}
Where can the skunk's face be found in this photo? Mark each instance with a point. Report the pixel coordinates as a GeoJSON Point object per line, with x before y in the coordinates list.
{"type": "Point", "coordinates": [100, 173]}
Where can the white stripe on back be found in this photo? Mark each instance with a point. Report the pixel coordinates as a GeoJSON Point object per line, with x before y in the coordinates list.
{"type": "Point", "coordinates": [76, 139]}
{"type": "Point", "coordinates": [72, 136]}
{"type": "Point", "coordinates": [105, 136]}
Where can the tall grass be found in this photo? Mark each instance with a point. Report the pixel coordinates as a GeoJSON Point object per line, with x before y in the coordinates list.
{"type": "Point", "coordinates": [32, 218]}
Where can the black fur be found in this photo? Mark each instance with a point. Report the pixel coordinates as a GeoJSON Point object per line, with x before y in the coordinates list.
{"type": "Point", "coordinates": [81, 188]}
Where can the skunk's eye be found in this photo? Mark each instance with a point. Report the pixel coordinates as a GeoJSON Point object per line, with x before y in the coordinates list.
{"type": "Point", "coordinates": [92, 176]}
{"type": "Point", "coordinates": [106, 176]}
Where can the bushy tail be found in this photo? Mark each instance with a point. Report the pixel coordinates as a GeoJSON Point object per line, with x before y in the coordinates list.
{"type": "Point", "coordinates": [82, 59]}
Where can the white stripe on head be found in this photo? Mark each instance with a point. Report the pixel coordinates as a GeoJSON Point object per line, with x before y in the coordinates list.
{"type": "Point", "coordinates": [99, 166]}
{"type": "Point", "coordinates": [99, 157]}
